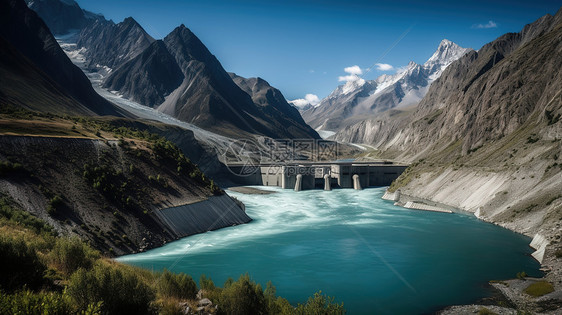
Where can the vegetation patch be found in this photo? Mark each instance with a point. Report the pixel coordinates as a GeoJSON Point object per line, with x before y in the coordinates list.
{"type": "Point", "coordinates": [9, 213]}
{"type": "Point", "coordinates": [539, 288]}
{"type": "Point", "coordinates": [431, 117]}
{"type": "Point", "coordinates": [532, 138]}
{"type": "Point", "coordinates": [7, 168]}
{"type": "Point", "coordinates": [180, 286]}
{"type": "Point", "coordinates": [486, 311]}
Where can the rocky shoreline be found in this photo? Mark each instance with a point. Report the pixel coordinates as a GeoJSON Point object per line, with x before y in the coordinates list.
{"type": "Point", "coordinates": [547, 246]}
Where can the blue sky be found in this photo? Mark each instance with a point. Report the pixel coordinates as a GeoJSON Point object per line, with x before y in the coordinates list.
{"type": "Point", "coordinates": [302, 47]}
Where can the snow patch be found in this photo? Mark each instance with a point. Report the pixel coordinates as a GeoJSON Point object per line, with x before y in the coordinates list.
{"type": "Point", "coordinates": [325, 134]}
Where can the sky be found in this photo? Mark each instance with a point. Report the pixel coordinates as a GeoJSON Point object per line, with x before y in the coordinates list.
{"type": "Point", "coordinates": [304, 47]}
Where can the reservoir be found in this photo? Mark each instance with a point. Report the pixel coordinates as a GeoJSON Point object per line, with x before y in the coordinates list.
{"type": "Point", "coordinates": [373, 256]}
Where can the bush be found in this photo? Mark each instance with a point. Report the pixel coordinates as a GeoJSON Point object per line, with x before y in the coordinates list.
{"type": "Point", "coordinates": [9, 168]}
{"type": "Point", "coordinates": [54, 204]}
{"type": "Point", "coordinates": [242, 297]}
{"type": "Point", "coordinates": [320, 304]}
{"type": "Point", "coordinates": [521, 275]}
{"type": "Point", "coordinates": [27, 302]}
{"type": "Point", "coordinates": [21, 217]}
{"type": "Point", "coordinates": [69, 255]}
{"type": "Point", "coordinates": [539, 288]}
{"type": "Point", "coordinates": [120, 291]}
{"type": "Point", "coordinates": [180, 286]}
{"type": "Point", "coordinates": [206, 284]}
{"type": "Point", "coordinates": [485, 311]}
{"type": "Point", "coordinates": [19, 265]}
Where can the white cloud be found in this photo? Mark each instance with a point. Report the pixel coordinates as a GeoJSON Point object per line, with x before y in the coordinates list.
{"type": "Point", "coordinates": [490, 24]}
{"type": "Point", "coordinates": [353, 70]}
{"type": "Point", "coordinates": [353, 74]}
{"type": "Point", "coordinates": [384, 67]}
{"type": "Point", "coordinates": [347, 78]}
{"type": "Point", "coordinates": [309, 99]}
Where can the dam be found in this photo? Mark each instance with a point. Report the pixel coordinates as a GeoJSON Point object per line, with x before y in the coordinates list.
{"type": "Point", "coordinates": [314, 175]}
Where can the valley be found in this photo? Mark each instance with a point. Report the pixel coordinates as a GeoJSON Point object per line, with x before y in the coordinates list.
{"type": "Point", "coordinates": [132, 149]}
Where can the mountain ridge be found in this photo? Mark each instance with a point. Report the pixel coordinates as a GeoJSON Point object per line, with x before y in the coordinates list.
{"type": "Point", "coordinates": [51, 10]}
{"type": "Point", "coordinates": [349, 103]}
{"type": "Point", "coordinates": [110, 45]}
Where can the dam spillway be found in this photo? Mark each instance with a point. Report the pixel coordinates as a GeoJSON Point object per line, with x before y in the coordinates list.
{"type": "Point", "coordinates": [311, 175]}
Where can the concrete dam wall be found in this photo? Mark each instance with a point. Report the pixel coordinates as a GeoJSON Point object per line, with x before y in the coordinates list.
{"type": "Point", "coordinates": [326, 175]}
{"type": "Point", "coordinates": [207, 215]}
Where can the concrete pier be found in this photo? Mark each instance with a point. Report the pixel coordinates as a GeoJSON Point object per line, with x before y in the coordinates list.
{"type": "Point", "coordinates": [298, 182]}
{"type": "Point", "coordinates": [356, 182]}
{"type": "Point", "coordinates": [327, 184]}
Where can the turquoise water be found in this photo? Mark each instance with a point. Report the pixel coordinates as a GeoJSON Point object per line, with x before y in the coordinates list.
{"type": "Point", "coordinates": [373, 256]}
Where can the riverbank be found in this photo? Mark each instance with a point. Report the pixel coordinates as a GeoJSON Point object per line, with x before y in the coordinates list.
{"type": "Point", "coordinates": [548, 248]}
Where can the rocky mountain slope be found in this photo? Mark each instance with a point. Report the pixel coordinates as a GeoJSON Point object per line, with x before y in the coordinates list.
{"type": "Point", "coordinates": [149, 78]}
{"type": "Point", "coordinates": [487, 95]}
{"type": "Point", "coordinates": [206, 95]}
{"type": "Point", "coordinates": [357, 99]}
{"type": "Point", "coordinates": [51, 11]}
{"type": "Point", "coordinates": [110, 45]}
{"type": "Point", "coordinates": [272, 102]}
{"type": "Point", "coordinates": [105, 181]}
{"type": "Point", "coordinates": [487, 137]}
{"type": "Point", "coordinates": [23, 84]}
{"type": "Point", "coordinates": [106, 45]}
{"type": "Point", "coordinates": [31, 41]}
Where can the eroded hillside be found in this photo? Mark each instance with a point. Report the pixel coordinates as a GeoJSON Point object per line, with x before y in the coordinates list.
{"type": "Point", "coordinates": [97, 178]}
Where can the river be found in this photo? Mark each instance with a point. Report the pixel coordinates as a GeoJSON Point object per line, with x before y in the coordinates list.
{"type": "Point", "coordinates": [373, 256]}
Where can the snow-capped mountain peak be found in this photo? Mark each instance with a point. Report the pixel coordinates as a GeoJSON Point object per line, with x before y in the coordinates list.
{"type": "Point", "coordinates": [359, 98]}
{"type": "Point", "coordinates": [446, 53]}
{"type": "Point", "coordinates": [353, 85]}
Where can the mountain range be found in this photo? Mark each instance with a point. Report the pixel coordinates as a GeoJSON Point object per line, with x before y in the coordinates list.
{"type": "Point", "coordinates": [483, 96]}
{"type": "Point", "coordinates": [358, 99]}
{"type": "Point", "coordinates": [178, 76]}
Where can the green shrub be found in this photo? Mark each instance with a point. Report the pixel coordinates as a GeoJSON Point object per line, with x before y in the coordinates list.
{"type": "Point", "coordinates": [9, 211]}
{"type": "Point", "coordinates": [121, 291]}
{"type": "Point", "coordinates": [19, 265]}
{"type": "Point", "coordinates": [68, 255]}
{"type": "Point", "coordinates": [521, 275]}
{"type": "Point", "coordinates": [539, 288]}
{"type": "Point", "coordinates": [7, 168]}
{"type": "Point", "coordinates": [179, 286]}
{"type": "Point", "coordinates": [320, 304]}
{"type": "Point", "coordinates": [242, 297]}
{"type": "Point", "coordinates": [206, 284]}
{"type": "Point", "coordinates": [485, 311]}
{"type": "Point", "coordinates": [27, 302]}
{"type": "Point", "coordinates": [54, 204]}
